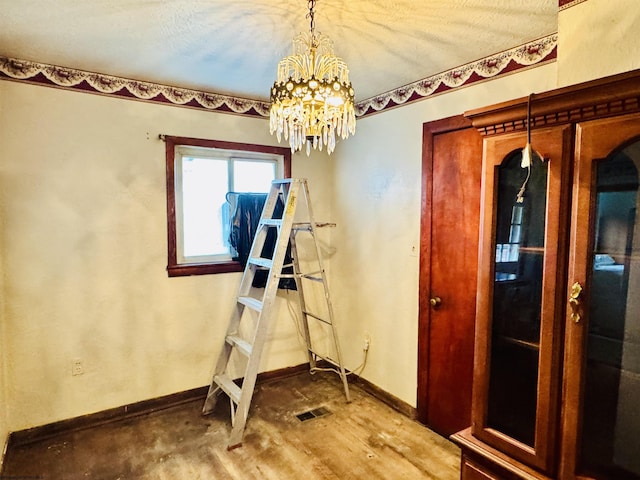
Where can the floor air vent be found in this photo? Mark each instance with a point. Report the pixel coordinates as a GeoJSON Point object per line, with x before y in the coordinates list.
{"type": "Point", "coordinates": [315, 413]}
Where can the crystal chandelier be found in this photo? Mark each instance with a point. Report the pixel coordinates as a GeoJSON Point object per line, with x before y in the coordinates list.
{"type": "Point", "coordinates": [312, 98]}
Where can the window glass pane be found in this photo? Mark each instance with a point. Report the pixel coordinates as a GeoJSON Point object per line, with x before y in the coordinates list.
{"type": "Point", "coordinates": [514, 253]}
{"type": "Point", "coordinates": [611, 423]}
{"type": "Point", "coordinates": [517, 297]}
{"type": "Point", "coordinates": [204, 187]}
{"type": "Point", "coordinates": [252, 176]}
{"type": "Point", "coordinates": [516, 215]}
{"type": "Point", "coordinates": [200, 175]}
{"type": "Point", "coordinates": [515, 234]}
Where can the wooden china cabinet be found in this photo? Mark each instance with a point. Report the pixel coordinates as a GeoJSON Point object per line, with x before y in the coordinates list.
{"type": "Point", "coordinates": [556, 389]}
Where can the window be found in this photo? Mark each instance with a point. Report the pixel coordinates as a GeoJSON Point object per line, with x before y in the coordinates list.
{"type": "Point", "coordinates": [200, 173]}
{"type": "Point", "coordinates": [509, 253]}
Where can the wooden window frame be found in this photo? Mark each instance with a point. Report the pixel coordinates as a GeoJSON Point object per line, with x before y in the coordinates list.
{"type": "Point", "coordinates": [175, 269]}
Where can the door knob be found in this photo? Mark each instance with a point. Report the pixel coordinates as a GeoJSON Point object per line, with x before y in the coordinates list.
{"type": "Point", "coordinates": [435, 301]}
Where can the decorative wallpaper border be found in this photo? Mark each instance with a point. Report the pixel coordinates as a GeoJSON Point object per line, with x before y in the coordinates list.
{"type": "Point", "coordinates": [524, 56]}
{"type": "Point", "coordinates": [69, 78]}
{"type": "Point", "coordinates": [564, 4]}
{"type": "Point", "coordinates": [536, 52]}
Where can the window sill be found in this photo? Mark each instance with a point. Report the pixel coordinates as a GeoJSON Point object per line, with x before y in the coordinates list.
{"type": "Point", "coordinates": [188, 269]}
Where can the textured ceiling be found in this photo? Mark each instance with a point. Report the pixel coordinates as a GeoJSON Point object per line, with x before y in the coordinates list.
{"type": "Point", "coordinates": [233, 47]}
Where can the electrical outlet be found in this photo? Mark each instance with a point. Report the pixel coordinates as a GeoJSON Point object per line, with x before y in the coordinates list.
{"type": "Point", "coordinates": [76, 367]}
{"type": "Point", "coordinates": [367, 343]}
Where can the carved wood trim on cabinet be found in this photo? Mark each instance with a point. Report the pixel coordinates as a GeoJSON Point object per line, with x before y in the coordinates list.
{"type": "Point", "coordinates": [601, 98]}
{"type": "Point", "coordinates": [492, 462]}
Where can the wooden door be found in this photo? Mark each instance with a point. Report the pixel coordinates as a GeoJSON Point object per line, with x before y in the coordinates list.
{"type": "Point", "coordinates": [451, 171]}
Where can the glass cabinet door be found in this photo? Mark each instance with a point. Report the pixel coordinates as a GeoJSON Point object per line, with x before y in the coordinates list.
{"type": "Point", "coordinates": [518, 335]}
{"type": "Point", "coordinates": [603, 327]}
{"type": "Point", "coordinates": [517, 299]}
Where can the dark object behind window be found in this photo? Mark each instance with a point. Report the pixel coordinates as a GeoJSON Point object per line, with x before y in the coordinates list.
{"type": "Point", "coordinates": [245, 212]}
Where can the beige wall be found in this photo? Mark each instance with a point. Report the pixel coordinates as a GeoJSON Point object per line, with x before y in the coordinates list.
{"type": "Point", "coordinates": [83, 237]}
{"type": "Point", "coordinates": [4, 424]}
{"type": "Point", "coordinates": [84, 255]}
{"type": "Point", "coordinates": [598, 38]}
{"type": "Point", "coordinates": [377, 189]}
{"type": "Point", "coordinates": [377, 207]}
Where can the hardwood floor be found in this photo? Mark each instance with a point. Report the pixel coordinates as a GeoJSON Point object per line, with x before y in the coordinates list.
{"type": "Point", "coordinates": [364, 439]}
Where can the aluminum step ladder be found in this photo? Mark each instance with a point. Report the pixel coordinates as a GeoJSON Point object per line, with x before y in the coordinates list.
{"type": "Point", "coordinates": [255, 305]}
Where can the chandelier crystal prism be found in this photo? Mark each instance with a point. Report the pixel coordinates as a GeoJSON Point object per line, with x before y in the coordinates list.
{"type": "Point", "coordinates": [312, 100]}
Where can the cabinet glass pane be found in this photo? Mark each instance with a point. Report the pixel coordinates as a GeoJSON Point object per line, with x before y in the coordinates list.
{"type": "Point", "coordinates": [517, 292]}
{"type": "Point", "coordinates": [611, 414]}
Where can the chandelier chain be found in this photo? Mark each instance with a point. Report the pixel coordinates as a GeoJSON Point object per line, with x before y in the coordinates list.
{"type": "Point", "coordinates": [311, 16]}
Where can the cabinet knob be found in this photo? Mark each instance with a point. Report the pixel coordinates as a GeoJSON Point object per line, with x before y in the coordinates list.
{"type": "Point", "coordinates": [435, 301]}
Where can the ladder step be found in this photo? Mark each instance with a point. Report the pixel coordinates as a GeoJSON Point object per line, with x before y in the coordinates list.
{"type": "Point", "coordinates": [325, 358]}
{"type": "Point", "coordinates": [301, 226]}
{"type": "Point", "coordinates": [252, 303]}
{"type": "Point", "coordinates": [309, 276]}
{"type": "Point", "coordinates": [288, 275]}
{"type": "Point", "coordinates": [271, 222]}
{"type": "Point", "coordinates": [289, 192]}
{"type": "Point", "coordinates": [261, 262]}
{"type": "Point", "coordinates": [280, 181]}
{"type": "Point", "coordinates": [228, 386]}
{"type": "Point", "coordinates": [312, 315]}
{"type": "Point", "coordinates": [307, 225]}
{"type": "Point", "coordinates": [241, 344]}
{"type": "Point", "coordinates": [312, 276]}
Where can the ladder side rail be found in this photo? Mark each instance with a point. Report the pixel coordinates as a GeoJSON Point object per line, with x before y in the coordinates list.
{"type": "Point", "coordinates": [318, 257]}
{"type": "Point", "coordinates": [250, 270]}
{"type": "Point", "coordinates": [302, 308]}
{"type": "Point", "coordinates": [243, 289]}
{"type": "Point", "coordinates": [272, 200]}
{"type": "Point", "coordinates": [323, 275]}
{"type": "Point", "coordinates": [259, 239]}
{"type": "Point", "coordinates": [253, 363]}
{"type": "Point", "coordinates": [250, 377]}
{"type": "Point", "coordinates": [223, 360]}
{"type": "Point", "coordinates": [277, 190]}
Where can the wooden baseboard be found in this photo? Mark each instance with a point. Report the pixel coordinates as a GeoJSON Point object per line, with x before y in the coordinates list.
{"type": "Point", "coordinates": [282, 373]}
{"type": "Point", "coordinates": [146, 407]}
{"type": "Point", "coordinates": [385, 397]}
{"type": "Point", "coordinates": [3, 453]}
